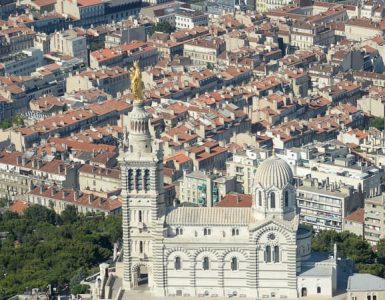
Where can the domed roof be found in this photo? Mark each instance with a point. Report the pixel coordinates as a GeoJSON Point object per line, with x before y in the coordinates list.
{"type": "Point", "coordinates": [274, 171]}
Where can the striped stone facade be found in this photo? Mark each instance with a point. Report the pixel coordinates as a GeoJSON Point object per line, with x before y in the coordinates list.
{"type": "Point", "coordinates": [206, 251]}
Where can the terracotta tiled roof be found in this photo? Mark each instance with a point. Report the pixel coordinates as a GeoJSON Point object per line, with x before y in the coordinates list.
{"type": "Point", "coordinates": [79, 199]}
{"type": "Point", "coordinates": [236, 200]}
{"type": "Point", "coordinates": [18, 206]}
{"type": "Point", "coordinates": [356, 216]}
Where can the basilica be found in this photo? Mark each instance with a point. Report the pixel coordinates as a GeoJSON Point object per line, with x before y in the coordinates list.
{"type": "Point", "coordinates": [251, 252]}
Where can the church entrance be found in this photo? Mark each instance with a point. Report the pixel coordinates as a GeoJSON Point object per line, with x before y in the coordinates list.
{"type": "Point", "coordinates": [304, 292]}
{"type": "Point", "coordinates": [141, 277]}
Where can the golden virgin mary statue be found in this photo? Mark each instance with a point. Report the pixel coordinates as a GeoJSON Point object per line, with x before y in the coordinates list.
{"type": "Point", "coordinates": [136, 83]}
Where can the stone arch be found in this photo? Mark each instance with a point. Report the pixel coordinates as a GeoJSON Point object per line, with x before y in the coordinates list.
{"type": "Point", "coordinates": [226, 253]}
{"type": "Point", "coordinates": [212, 252]}
{"type": "Point", "coordinates": [184, 256]}
{"type": "Point", "coordinates": [137, 269]}
{"type": "Point", "coordinates": [175, 251]}
{"type": "Point", "coordinates": [272, 227]}
{"type": "Point", "coordinates": [200, 254]}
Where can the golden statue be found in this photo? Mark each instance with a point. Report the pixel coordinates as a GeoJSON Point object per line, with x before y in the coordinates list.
{"type": "Point", "coordinates": [136, 83]}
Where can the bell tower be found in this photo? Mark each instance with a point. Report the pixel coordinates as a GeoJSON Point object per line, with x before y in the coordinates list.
{"type": "Point", "coordinates": [141, 164]}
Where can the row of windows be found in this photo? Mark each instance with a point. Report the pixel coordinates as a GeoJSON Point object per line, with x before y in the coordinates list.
{"type": "Point", "coordinates": [272, 199]}
{"type": "Point", "coordinates": [206, 231]}
{"type": "Point", "coordinates": [272, 254]}
{"type": "Point", "coordinates": [140, 181]}
{"type": "Point", "coordinates": [234, 265]}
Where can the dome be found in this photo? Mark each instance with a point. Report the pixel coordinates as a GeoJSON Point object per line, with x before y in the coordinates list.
{"type": "Point", "coordinates": [274, 171]}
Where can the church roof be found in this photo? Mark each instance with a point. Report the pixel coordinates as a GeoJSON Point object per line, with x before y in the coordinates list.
{"type": "Point", "coordinates": [365, 282]}
{"type": "Point", "coordinates": [317, 271]}
{"type": "Point", "coordinates": [274, 171]}
{"type": "Point", "coordinates": [210, 216]}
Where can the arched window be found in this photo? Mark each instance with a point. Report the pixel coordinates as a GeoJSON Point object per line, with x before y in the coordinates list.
{"type": "Point", "coordinates": [286, 198]}
{"type": "Point", "coordinates": [140, 217]}
{"type": "Point", "coordinates": [141, 247]}
{"type": "Point", "coordinates": [234, 264]}
{"type": "Point", "coordinates": [130, 181]}
{"type": "Point", "coordinates": [272, 200]}
{"type": "Point", "coordinates": [318, 290]}
{"type": "Point", "coordinates": [179, 231]}
{"type": "Point", "coordinates": [138, 180]}
{"type": "Point", "coordinates": [260, 198]}
{"type": "Point", "coordinates": [268, 254]}
{"type": "Point", "coordinates": [276, 254]}
{"type": "Point", "coordinates": [177, 263]}
{"type": "Point", "coordinates": [146, 180]}
{"type": "Point", "coordinates": [206, 263]}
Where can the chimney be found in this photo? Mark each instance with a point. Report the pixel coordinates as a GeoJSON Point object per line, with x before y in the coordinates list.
{"type": "Point", "coordinates": [41, 188]}
{"type": "Point", "coordinates": [52, 191]}
{"type": "Point", "coordinates": [90, 198]}
{"type": "Point", "coordinates": [76, 195]}
{"type": "Point", "coordinates": [64, 194]}
{"type": "Point", "coordinates": [23, 161]}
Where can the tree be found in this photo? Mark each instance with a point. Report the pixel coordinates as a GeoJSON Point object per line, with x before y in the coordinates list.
{"type": "Point", "coordinates": [18, 120]}
{"type": "Point", "coordinates": [381, 250]}
{"type": "Point", "coordinates": [210, 66]}
{"type": "Point", "coordinates": [348, 244]}
{"type": "Point", "coordinates": [5, 124]}
{"type": "Point", "coordinates": [377, 123]}
{"type": "Point", "coordinates": [69, 214]}
{"type": "Point", "coordinates": [43, 248]}
{"type": "Point", "coordinates": [162, 26]}
{"type": "Point", "coordinates": [374, 269]}
{"type": "Point", "coordinates": [75, 286]}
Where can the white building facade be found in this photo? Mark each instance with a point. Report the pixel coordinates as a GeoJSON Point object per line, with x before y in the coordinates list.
{"type": "Point", "coordinates": [208, 251]}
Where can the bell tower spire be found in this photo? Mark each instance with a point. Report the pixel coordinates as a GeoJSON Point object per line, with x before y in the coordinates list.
{"type": "Point", "coordinates": [142, 189]}
{"type": "Point", "coordinates": [140, 138]}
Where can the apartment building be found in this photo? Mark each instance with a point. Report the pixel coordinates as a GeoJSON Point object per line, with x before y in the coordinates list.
{"type": "Point", "coordinates": [7, 7]}
{"type": "Point", "coordinates": [202, 189]}
{"type": "Point", "coordinates": [69, 42]}
{"type": "Point", "coordinates": [207, 155]}
{"type": "Point", "coordinates": [66, 123]}
{"type": "Point", "coordinates": [374, 102]}
{"type": "Point", "coordinates": [305, 35]}
{"type": "Point", "coordinates": [265, 6]}
{"type": "Point", "coordinates": [355, 221]}
{"type": "Point", "coordinates": [125, 55]}
{"type": "Point", "coordinates": [17, 91]}
{"type": "Point", "coordinates": [204, 50]}
{"type": "Point", "coordinates": [22, 63]}
{"type": "Point", "coordinates": [243, 166]}
{"type": "Point", "coordinates": [324, 205]}
{"type": "Point", "coordinates": [16, 39]}
{"type": "Point", "coordinates": [186, 18]}
{"type": "Point", "coordinates": [20, 172]}
{"type": "Point", "coordinates": [59, 199]}
{"type": "Point", "coordinates": [360, 29]}
{"type": "Point", "coordinates": [374, 229]}
{"type": "Point", "coordinates": [347, 170]}
{"type": "Point", "coordinates": [99, 179]}
{"type": "Point", "coordinates": [112, 80]}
